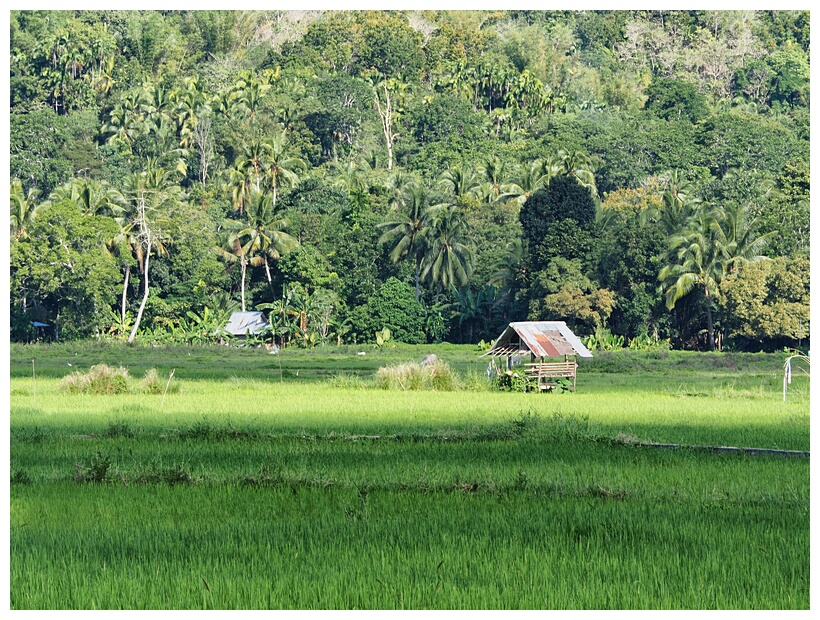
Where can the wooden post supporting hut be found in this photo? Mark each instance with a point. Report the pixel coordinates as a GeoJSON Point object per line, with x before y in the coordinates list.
{"type": "Point", "coordinates": [542, 342]}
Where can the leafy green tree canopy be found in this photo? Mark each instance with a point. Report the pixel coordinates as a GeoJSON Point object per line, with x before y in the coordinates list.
{"type": "Point", "coordinates": [393, 306]}
{"type": "Point", "coordinates": [768, 301]}
{"type": "Point", "coordinates": [670, 98]}
{"type": "Point", "coordinates": [557, 221]}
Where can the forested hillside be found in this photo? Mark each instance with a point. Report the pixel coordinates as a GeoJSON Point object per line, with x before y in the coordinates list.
{"type": "Point", "coordinates": [643, 175]}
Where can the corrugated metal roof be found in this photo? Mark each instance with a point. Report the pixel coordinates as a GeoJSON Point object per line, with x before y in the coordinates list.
{"type": "Point", "coordinates": [543, 338]}
{"type": "Point", "coordinates": [241, 323]}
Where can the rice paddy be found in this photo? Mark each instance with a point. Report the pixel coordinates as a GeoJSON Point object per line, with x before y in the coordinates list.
{"type": "Point", "coordinates": [272, 490]}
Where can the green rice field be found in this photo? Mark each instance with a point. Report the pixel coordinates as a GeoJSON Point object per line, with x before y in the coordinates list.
{"type": "Point", "coordinates": [291, 482]}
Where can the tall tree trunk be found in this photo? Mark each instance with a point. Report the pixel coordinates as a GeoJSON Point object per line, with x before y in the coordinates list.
{"type": "Point", "coordinates": [709, 321]}
{"type": "Point", "coordinates": [144, 294]}
{"type": "Point", "coordinates": [124, 289]}
{"type": "Point", "coordinates": [146, 238]}
{"type": "Point", "coordinates": [267, 273]}
{"type": "Point", "coordinates": [386, 116]}
{"type": "Point", "coordinates": [244, 264]}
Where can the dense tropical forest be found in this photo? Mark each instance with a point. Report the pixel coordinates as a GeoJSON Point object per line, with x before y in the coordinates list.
{"type": "Point", "coordinates": [642, 175]}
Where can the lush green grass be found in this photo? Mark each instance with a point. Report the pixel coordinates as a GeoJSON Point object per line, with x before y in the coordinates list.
{"type": "Point", "coordinates": [292, 364]}
{"type": "Point", "coordinates": [702, 413]}
{"type": "Point", "coordinates": [248, 492]}
{"type": "Point", "coordinates": [235, 546]}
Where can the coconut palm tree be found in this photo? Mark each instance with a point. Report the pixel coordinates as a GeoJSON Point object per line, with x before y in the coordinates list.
{"type": "Point", "coordinates": [282, 165]}
{"type": "Point", "coordinates": [695, 261]}
{"type": "Point", "coordinates": [551, 167]}
{"type": "Point", "coordinates": [224, 102]}
{"type": "Point", "coordinates": [529, 181]}
{"type": "Point", "coordinates": [255, 159]}
{"type": "Point", "coordinates": [736, 233]}
{"type": "Point", "coordinates": [496, 175]}
{"type": "Point", "coordinates": [23, 208]}
{"type": "Point", "coordinates": [187, 102]}
{"type": "Point", "coordinates": [124, 247]}
{"type": "Point", "coordinates": [239, 183]}
{"type": "Point", "coordinates": [233, 252]}
{"type": "Point", "coordinates": [678, 205]}
{"type": "Point", "coordinates": [157, 101]}
{"type": "Point", "coordinates": [579, 165]}
{"type": "Point", "coordinates": [447, 260]}
{"type": "Point", "coordinates": [348, 176]}
{"type": "Point", "coordinates": [126, 122]}
{"type": "Point", "coordinates": [93, 197]}
{"type": "Point", "coordinates": [251, 92]}
{"type": "Point", "coordinates": [264, 234]}
{"type": "Point", "coordinates": [406, 228]}
{"type": "Point", "coordinates": [459, 180]}
{"type": "Point", "coordinates": [510, 266]}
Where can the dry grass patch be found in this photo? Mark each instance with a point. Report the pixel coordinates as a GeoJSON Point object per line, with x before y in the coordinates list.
{"type": "Point", "coordinates": [103, 379]}
{"type": "Point", "coordinates": [100, 379]}
{"type": "Point", "coordinates": [437, 376]}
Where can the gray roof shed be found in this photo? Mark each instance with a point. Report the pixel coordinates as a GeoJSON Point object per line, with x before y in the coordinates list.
{"type": "Point", "coordinates": [243, 323]}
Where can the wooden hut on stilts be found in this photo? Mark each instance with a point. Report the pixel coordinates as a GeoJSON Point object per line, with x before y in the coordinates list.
{"type": "Point", "coordinates": [552, 349]}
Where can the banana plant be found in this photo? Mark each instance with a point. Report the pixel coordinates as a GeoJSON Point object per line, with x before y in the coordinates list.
{"type": "Point", "coordinates": [120, 325]}
{"type": "Point", "coordinates": [382, 337]}
{"type": "Point", "coordinates": [208, 327]}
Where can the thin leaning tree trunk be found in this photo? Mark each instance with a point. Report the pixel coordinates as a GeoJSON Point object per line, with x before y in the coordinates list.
{"type": "Point", "coordinates": [124, 290]}
{"type": "Point", "coordinates": [267, 272]}
{"type": "Point", "coordinates": [387, 124]}
{"type": "Point", "coordinates": [144, 294]}
{"type": "Point", "coordinates": [244, 268]}
{"type": "Point", "coordinates": [145, 231]}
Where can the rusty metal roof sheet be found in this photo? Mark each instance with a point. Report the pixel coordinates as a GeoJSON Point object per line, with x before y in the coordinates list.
{"type": "Point", "coordinates": [542, 338]}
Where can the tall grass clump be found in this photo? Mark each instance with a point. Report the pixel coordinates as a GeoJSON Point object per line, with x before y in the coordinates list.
{"type": "Point", "coordinates": [100, 379]}
{"type": "Point", "coordinates": [437, 376]}
{"type": "Point", "coordinates": [103, 379]}
{"type": "Point", "coordinates": [153, 383]}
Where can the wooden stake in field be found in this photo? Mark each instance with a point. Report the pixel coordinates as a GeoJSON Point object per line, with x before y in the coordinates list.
{"type": "Point", "coordinates": [34, 381]}
{"type": "Point", "coordinates": [167, 385]}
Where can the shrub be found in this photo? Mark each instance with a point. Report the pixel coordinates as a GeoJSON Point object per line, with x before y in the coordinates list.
{"type": "Point", "coordinates": [648, 343]}
{"type": "Point", "coordinates": [399, 377]}
{"type": "Point", "coordinates": [603, 340]}
{"type": "Point", "coordinates": [513, 381]}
